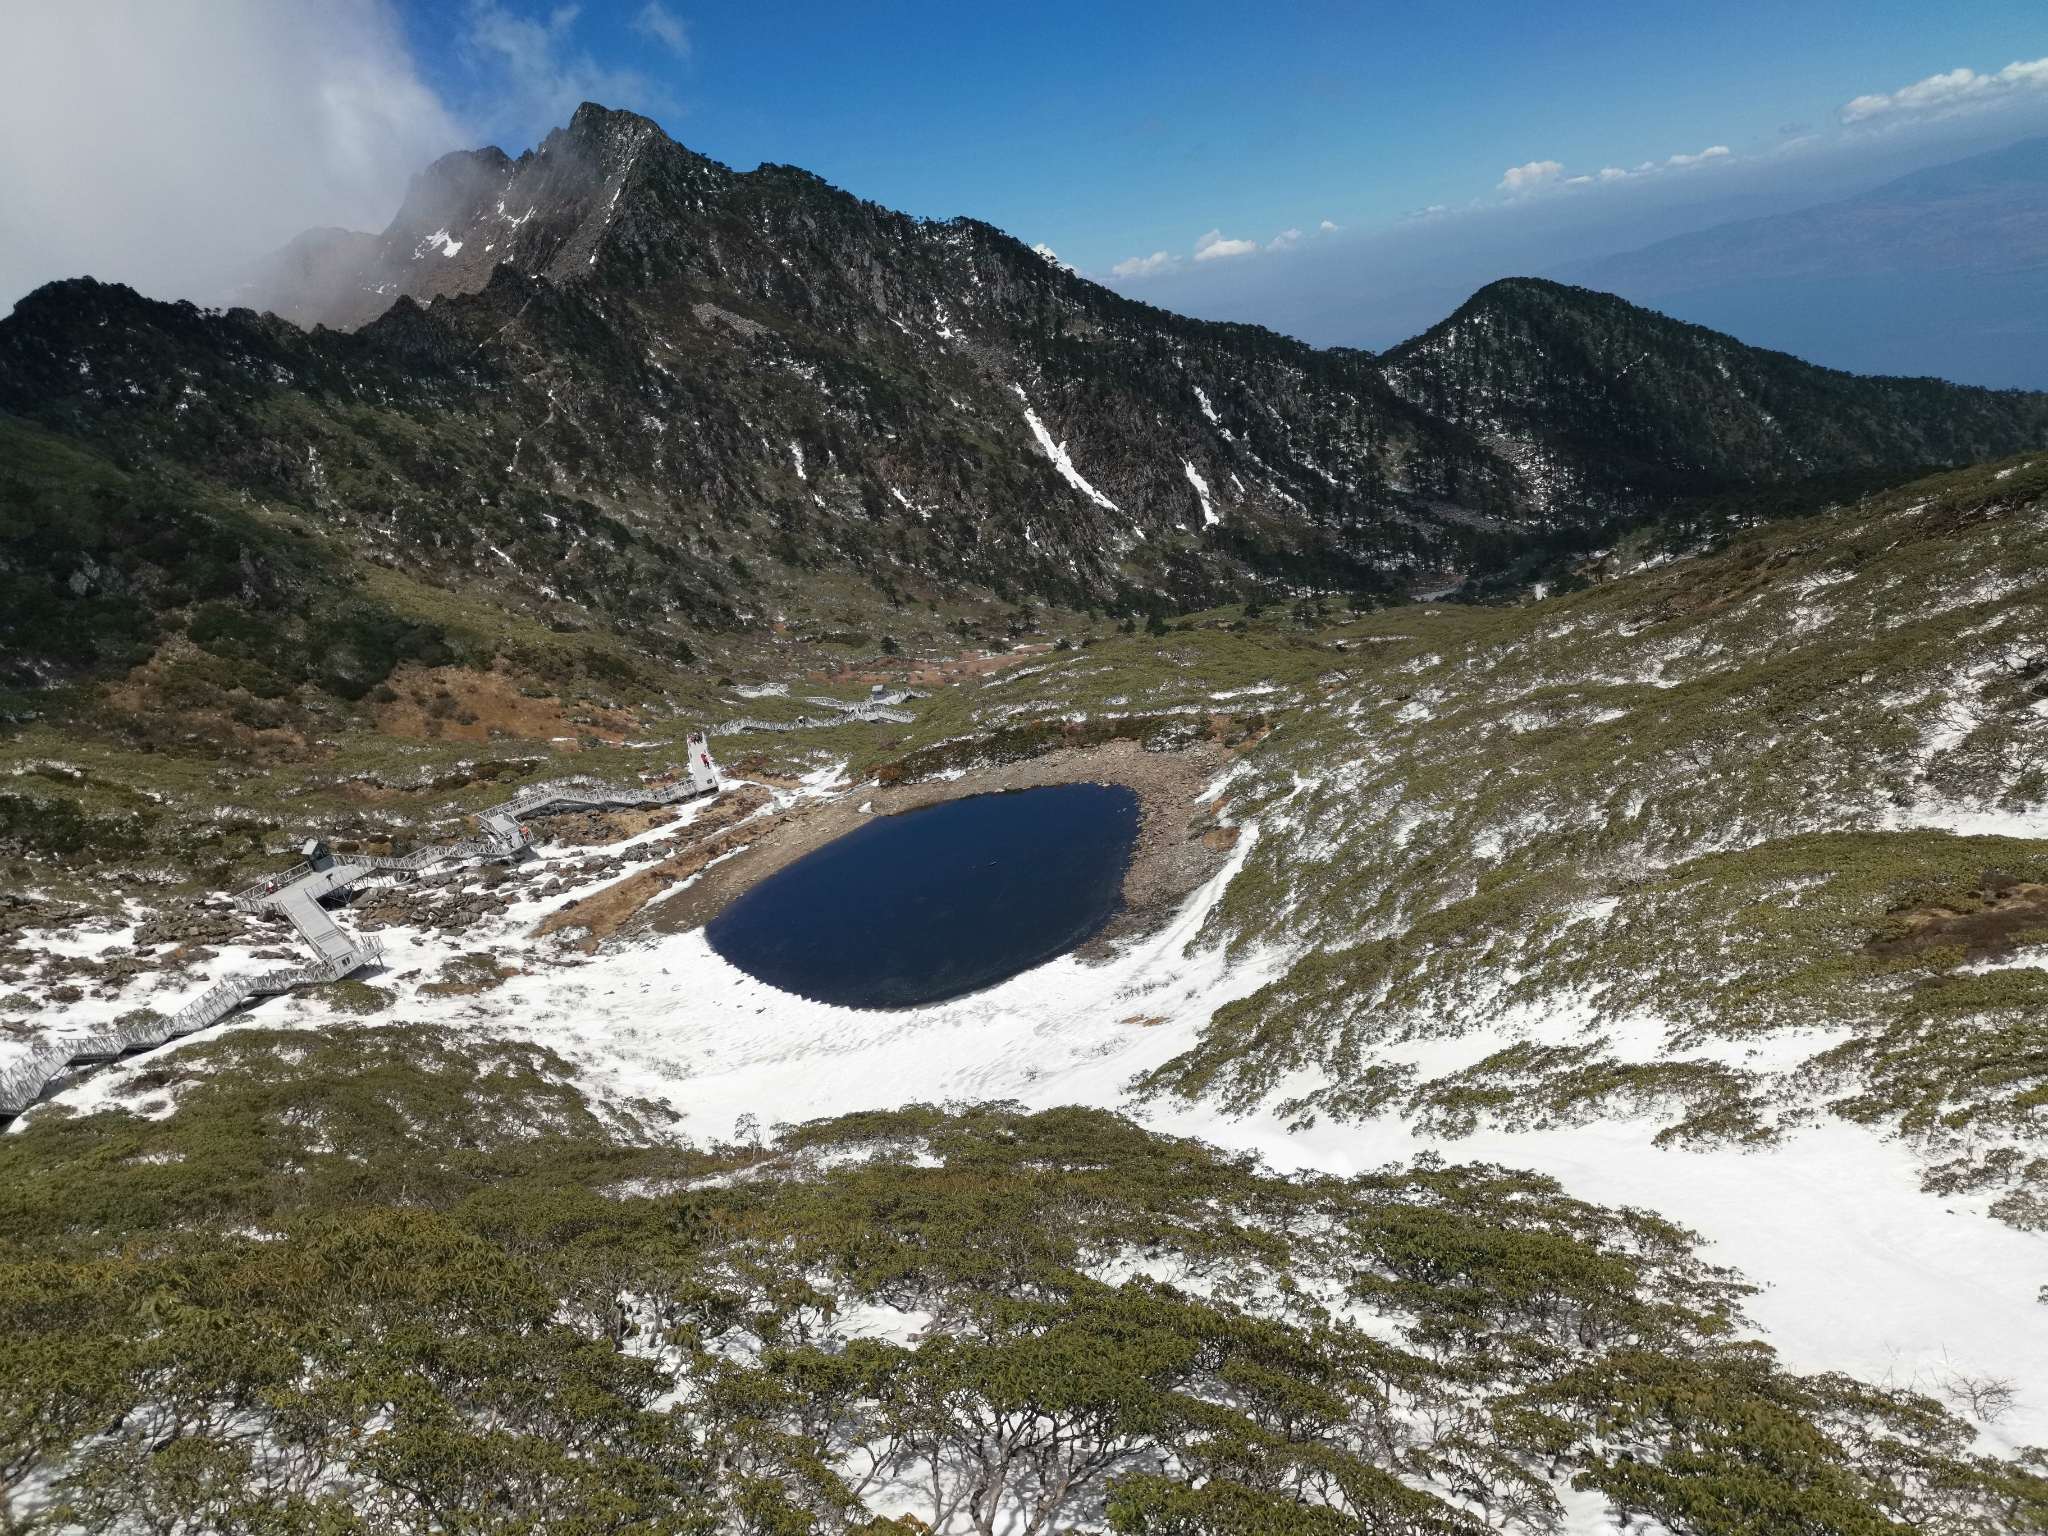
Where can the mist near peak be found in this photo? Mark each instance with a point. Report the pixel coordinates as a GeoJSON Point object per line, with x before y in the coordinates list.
{"type": "Point", "coordinates": [164, 144]}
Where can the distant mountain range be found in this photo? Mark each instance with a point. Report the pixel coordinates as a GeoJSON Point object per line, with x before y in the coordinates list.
{"type": "Point", "coordinates": [1943, 271]}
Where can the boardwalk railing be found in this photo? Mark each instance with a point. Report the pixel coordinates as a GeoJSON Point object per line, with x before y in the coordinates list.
{"type": "Point", "coordinates": [878, 706]}
{"type": "Point", "coordinates": [295, 893]}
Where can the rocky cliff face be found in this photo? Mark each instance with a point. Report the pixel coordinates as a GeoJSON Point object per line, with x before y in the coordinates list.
{"type": "Point", "coordinates": [592, 186]}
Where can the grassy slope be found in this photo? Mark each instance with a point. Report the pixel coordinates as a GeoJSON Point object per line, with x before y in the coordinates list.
{"type": "Point", "coordinates": [1697, 799]}
{"type": "Point", "coordinates": [397, 1279]}
{"type": "Point", "coordinates": [1665, 846]}
{"type": "Point", "coordinates": [211, 654]}
{"type": "Point", "coordinates": [1620, 838]}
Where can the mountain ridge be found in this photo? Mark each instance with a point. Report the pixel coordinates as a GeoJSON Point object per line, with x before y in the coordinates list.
{"type": "Point", "coordinates": [1993, 217]}
{"type": "Point", "coordinates": [629, 390]}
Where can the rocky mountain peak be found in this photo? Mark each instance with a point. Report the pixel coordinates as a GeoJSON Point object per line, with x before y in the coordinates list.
{"type": "Point", "coordinates": [609, 136]}
{"type": "Point", "coordinates": [449, 190]}
{"type": "Point", "coordinates": [545, 214]}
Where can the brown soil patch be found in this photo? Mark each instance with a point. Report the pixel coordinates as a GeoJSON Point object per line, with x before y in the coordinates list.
{"type": "Point", "coordinates": [720, 828]}
{"type": "Point", "coordinates": [754, 765]}
{"type": "Point", "coordinates": [185, 700]}
{"type": "Point", "coordinates": [469, 988]}
{"type": "Point", "coordinates": [455, 704]}
{"type": "Point", "coordinates": [1177, 848]}
{"type": "Point", "coordinates": [467, 975]}
{"type": "Point", "coordinates": [2012, 909]}
{"type": "Point", "coordinates": [593, 829]}
{"type": "Point", "coordinates": [930, 674]}
{"type": "Point", "coordinates": [1702, 586]}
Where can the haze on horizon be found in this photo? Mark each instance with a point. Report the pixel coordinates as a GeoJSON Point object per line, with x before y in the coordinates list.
{"type": "Point", "coordinates": [1345, 174]}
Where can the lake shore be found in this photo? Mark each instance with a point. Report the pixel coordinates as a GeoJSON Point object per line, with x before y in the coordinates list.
{"type": "Point", "coordinates": [1181, 840]}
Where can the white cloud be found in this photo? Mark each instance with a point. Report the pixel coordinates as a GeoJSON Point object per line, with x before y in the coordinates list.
{"type": "Point", "coordinates": [1707, 156]}
{"type": "Point", "coordinates": [162, 143]}
{"type": "Point", "coordinates": [658, 22]}
{"type": "Point", "coordinates": [1326, 225]}
{"type": "Point", "coordinates": [1529, 178]}
{"type": "Point", "coordinates": [1146, 266]}
{"type": "Point", "coordinates": [1052, 256]}
{"type": "Point", "coordinates": [1960, 90]}
{"type": "Point", "coordinates": [1213, 246]}
{"type": "Point", "coordinates": [1284, 239]}
{"type": "Point", "coordinates": [533, 81]}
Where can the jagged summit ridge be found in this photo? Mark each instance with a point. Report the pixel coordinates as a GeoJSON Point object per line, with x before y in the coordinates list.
{"type": "Point", "coordinates": [544, 214]}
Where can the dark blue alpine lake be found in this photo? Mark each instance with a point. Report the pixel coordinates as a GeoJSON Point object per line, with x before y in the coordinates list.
{"type": "Point", "coordinates": [937, 902]}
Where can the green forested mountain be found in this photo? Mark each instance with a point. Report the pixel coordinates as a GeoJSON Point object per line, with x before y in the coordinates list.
{"type": "Point", "coordinates": [647, 394]}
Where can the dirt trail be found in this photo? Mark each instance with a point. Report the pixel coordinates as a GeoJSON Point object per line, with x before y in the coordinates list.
{"type": "Point", "coordinates": [717, 832]}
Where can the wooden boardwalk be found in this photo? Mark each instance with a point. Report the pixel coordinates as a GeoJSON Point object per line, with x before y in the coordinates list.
{"type": "Point", "coordinates": [297, 895]}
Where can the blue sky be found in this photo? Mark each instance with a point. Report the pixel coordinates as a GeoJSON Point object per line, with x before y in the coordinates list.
{"type": "Point", "coordinates": [1114, 132]}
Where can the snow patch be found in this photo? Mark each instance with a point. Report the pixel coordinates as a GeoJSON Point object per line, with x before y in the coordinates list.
{"type": "Point", "coordinates": [1201, 486]}
{"type": "Point", "coordinates": [1057, 452]}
